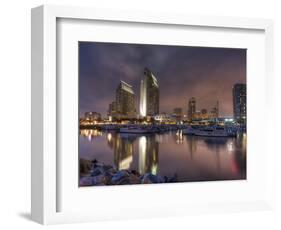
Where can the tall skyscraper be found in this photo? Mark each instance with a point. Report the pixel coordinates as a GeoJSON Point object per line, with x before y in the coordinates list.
{"type": "Point", "coordinates": [125, 100]}
{"type": "Point", "coordinates": [191, 109]}
{"type": "Point", "coordinates": [240, 103]}
{"type": "Point", "coordinates": [149, 94]}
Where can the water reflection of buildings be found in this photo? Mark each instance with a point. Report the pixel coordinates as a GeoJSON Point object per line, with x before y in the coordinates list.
{"type": "Point", "coordinates": [216, 144]}
{"type": "Point", "coordinates": [234, 146]}
{"type": "Point", "coordinates": [123, 147]}
{"type": "Point", "coordinates": [141, 152]}
{"type": "Point", "coordinates": [192, 145]}
{"type": "Point", "coordinates": [148, 155]}
{"type": "Point", "coordinates": [240, 159]}
{"type": "Point", "coordinates": [123, 150]}
{"type": "Point", "coordinates": [90, 133]}
{"type": "Point", "coordinates": [179, 137]}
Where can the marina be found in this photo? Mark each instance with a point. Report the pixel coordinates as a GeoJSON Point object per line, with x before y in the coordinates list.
{"type": "Point", "coordinates": [169, 153]}
{"type": "Point", "coordinates": [200, 130]}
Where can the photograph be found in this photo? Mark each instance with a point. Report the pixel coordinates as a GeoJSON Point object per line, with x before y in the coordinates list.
{"type": "Point", "coordinates": [154, 114]}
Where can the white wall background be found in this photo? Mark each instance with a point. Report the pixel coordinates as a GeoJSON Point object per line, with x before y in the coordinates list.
{"type": "Point", "coordinates": [15, 112]}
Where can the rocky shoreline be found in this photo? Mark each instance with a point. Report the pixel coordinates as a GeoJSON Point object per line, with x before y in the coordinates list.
{"type": "Point", "coordinates": [94, 173]}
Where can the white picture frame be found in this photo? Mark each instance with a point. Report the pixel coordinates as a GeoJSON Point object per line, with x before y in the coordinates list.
{"type": "Point", "coordinates": [45, 90]}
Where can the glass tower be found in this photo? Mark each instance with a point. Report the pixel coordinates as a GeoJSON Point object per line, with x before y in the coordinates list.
{"type": "Point", "coordinates": [125, 100]}
{"type": "Point", "coordinates": [149, 94]}
{"type": "Point", "coordinates": [239, 103]}
{"type": "Point", "coordinates": [191, 109]}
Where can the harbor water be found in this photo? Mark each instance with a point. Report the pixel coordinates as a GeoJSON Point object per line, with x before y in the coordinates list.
{"type": "Point", "coordinates": [191, 158]}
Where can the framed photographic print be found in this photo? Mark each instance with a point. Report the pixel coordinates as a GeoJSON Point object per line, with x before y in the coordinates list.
{"type": "Point", "coordinates": [143, 127]}
{"type": "Point", "coordinates": [152, 113]}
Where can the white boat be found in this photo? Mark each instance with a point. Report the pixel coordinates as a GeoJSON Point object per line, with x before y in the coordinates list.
{"type": "Point", "coordinates": [232, 130]}
{"type": "Point", "coordinates": [188, 131]}
{"type": "Point", "coordinates": [215, 131]}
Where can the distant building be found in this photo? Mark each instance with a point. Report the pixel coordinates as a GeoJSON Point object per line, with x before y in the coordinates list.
{"type": "Point", "coordinates": [214, 113]}
{"type": "Point", "coordinates": [149, 94]}
{"type": "Point", "coordinates": [92, 116]}
{"type": "Point", "coordinates": [240, 103]}
{"type": "Point", "coordinates": [125, 101]}
{"type": "Point", "coordinates": [201, 115]}
{"type": "Point", "coordinates": [196, 116]}
{"type": "Point", "coordinates": [204, 111]}
{"type": "Point", "coordinates": [178, 114]}
{"type": "Point", "coordinates": [112, 109]}
{"type": "Point", "coordinates": [204, 114]}
{"type": "Point", "coordinates": [191, 110]}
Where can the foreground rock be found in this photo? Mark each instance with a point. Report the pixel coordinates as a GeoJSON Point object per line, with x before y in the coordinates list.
{"type": "Point", "coordinates": [85, 166]}
{"type": "Point", "coordinates": [95, 173]}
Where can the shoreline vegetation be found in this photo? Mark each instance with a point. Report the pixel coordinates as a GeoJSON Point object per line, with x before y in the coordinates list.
{"type": "Point", "coordinates": [94, 173]}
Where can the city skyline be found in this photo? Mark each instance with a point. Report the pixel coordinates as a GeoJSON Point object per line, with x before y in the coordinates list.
{"type": "Point", "coordinates": [208, 74]}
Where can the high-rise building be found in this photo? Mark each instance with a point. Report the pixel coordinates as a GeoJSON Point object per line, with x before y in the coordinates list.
{"type": "Point", "coordinates": [112, 109]}
{"type": "Point", "coordinates": [149, 94]}
{"type": "Point", "coordinates": [239, 103]}
{"type": "Point", "coordinates": [125, 101]}
{"type": "Point", "coordinates": [204, 114]}
{"type": "Point", "coordinates": [191, 109]}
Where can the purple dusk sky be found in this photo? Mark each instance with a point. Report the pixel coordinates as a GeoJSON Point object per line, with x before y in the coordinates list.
{"type": "Point", "coordinates": [208, 74]}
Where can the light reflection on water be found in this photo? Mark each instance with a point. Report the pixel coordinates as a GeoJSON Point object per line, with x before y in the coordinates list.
{"type": "Point", "coordinates": [191, 158]}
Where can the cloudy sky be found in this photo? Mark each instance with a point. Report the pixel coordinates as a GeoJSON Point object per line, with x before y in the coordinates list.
{"type": "Point", "coordinates": [207, 74]}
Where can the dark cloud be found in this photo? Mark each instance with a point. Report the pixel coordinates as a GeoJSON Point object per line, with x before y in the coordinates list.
{"type": "Point", "coordinates": [207, 74]}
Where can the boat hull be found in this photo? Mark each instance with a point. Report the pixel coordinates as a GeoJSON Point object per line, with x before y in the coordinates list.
{"type": "Point", "coordinates": [211, 135]}
{"type": "Point", "coordinates": [215, 132]}
{"type": "Point", "coordinates": [135, 131]}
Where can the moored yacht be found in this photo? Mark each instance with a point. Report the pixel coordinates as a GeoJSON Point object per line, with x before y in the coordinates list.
{"type": "Point", "coordinates": [189, 131]}
{"type": "Point", "coordinates": [215, 131]}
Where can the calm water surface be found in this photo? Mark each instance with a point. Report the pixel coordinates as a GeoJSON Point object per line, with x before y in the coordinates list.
{"type": "Point", "coordinates": [191, 158]}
